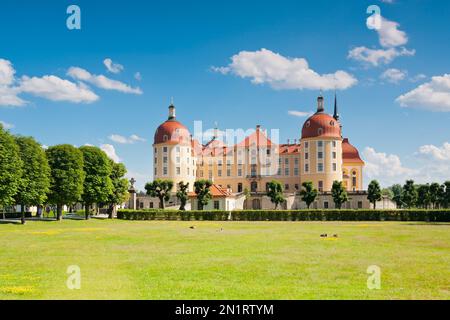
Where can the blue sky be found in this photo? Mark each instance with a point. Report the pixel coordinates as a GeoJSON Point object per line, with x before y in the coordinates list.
{"type": "Point", "coordinates": [394, 82]}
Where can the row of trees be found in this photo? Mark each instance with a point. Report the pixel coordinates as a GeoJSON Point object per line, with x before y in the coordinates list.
{"type": "Point", "coordinates": [161, 189]}
{"type": "Point", "coordinates": [61, 175]}
{"type": "Point", "coordinates": [425, 196]}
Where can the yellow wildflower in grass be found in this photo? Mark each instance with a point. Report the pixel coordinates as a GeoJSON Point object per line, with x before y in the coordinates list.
{"type": "Point", "coordinates": [17, 290]}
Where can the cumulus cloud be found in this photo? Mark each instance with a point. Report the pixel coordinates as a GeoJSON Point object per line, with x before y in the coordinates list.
{"type": "Point", "coordinates": [126, 140]}
{"type": "Point", "coordinates": [101, 81]}
{"type": "Point", "coordinates": [110, 152]}
{"type": "Point", "coordinates": [8, 92]}
{"type": "Point", "coordinates": [112, 67]}
{"type": "Point", "coordinates": [301, 114]}
{"type": "Point", "coordinates": [138, 76]}
{"type": "Point", "coordinates": [433, 95]}
{"type": "Point", "coordinates": [267, 67]}
{"type": "Point", "coordinates": [418, 77]}
{"type": "Point", "coordinates": [387, 168]}
{"type": "Point", "coordinates": [376, 57]}
{"type": "Point", "coordinates": [390, 38]}
{"type": "Point", "coordinates": [436, 153]}
{"type": "Point", "coordinates": [6, 125]}
{"type": "Point", "coordinates": [57, 89]}
{"type": "Point", "coordinates": [394, 75]}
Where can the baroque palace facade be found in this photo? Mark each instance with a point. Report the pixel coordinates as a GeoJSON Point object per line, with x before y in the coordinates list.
{"type": "Point", "coordinates": [321, 155]}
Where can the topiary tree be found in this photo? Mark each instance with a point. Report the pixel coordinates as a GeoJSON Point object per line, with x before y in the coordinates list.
{"type": "Point", "coordinates": [435, 194]}
{"type": "Point", "coordinates": [66, 176]}
{"type": "Point", "coordinates": [182, 194]}
{"type": "Point", "coordinates": [308, 193]}
{"type": "Point", "coordinates": [202, 190]}
{"type": "Point", "coordinates": [35, 182]}
{"type": "Point", "coordinates": [374, 193]}
{"type": "Point", "coordinates": [409, 194]}
{"type": "Point", "coordinates": [10, 168]}
{"type": "Point", "coordinates": [397, 191]}
{"type": "Point", "coordinates": [339, 194]}
{"type": "Point", "coordinates": [423, 196]}
{"type": "Point", "coordinates": [97, 182]}
{"type": "Point", "coordinates": [119, 192]}
{"type": "Point", "coordinates": [160, 189]}
{"type": "Point", "coordinates": [275, 192]}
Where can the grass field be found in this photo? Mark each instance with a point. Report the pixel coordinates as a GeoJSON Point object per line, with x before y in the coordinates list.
{"type": "Point", "coordinates": [246, 260]}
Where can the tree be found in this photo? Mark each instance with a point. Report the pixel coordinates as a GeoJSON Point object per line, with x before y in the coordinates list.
{"type": "Point", "coordinates": [409, 194]}
{"type": "Point", "coordinates": [97, 184]}
{"type": "Point", "coordinates": [339, 194]}
{"type": "Point", "coordinates": [374, 193]}
{"type": "Point", "coordinates": [10, 168]}
{"type": "Point", "coordinates": [66, 176]}
{"type": "Point", "coordinates": [387, 192]}
{"type": "Point", "coordinates": [308, 193]}
{"type": "Point", "coordinates": [160, 189]}
{"type": "Point", "coordinates": [434, 194]}
{"type": "Point", "coordinates": [182, 194]}
{"type": "Point", "coordinates": [119, 191]}
{"type": "Point", "coordinates": [446, 195]}
{"type": "Point", "coordinates": [397, 191]}
{"type": "Point", "coordinates": [275, 192]}
{"type": "Point", "coordinates": [423, 196]}
{"type": "Point", "coordinates": [35, 182]}
{"type": "Point", "coordinates": [202, 190]}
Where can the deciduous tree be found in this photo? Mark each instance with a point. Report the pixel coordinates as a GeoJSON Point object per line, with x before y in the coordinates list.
{"type": "Point", "coordinates": [409, 194]}
{"type": "Point", "coordinates": [339, 194]}
{"type": "Point", "coordinates": [182, 194]}
{"type": "Point", "coordinates": [374, 193]}
{"type": "Point", "coordinates": [119, 192]}
{"type": "Point", "coordinates": [202, 190]}
{"type": "Point", "coordinates": [275, 192]}
{"type": "Point", "coordinates": [308, 193]}
{"type": "Point", "coordinates": [160, 189]}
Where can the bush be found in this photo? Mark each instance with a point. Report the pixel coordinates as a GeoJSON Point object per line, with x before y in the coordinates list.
{"type": "Point", "coordinates": [15, 215]}
{"type": "Point", "coordinates": [289, 215]}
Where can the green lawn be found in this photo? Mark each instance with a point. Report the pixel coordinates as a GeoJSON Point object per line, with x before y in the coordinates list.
{"type": "Point", "coordinates": [247, 260]}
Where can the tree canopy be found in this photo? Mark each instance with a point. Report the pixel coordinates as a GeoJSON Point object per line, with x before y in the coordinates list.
{"type": "Point", "coordinates": [275, 192]}
{"type": "Point", "coordinates": [308, 193]}
{"type": "Point", "coordinates": [66, 175]}
{"type": "Point", "coordinates": [119, 191]}
{"type": "Point", "coordinates": [160, 189]}
{"type": "Point", "coordinates": [339, 194]}
{"type": "Point", "coordinates": [202, 190]}
{"type": "Point", "coordinates": [182, 194]}
{"type": "Point", "coordinates": [374, 193]}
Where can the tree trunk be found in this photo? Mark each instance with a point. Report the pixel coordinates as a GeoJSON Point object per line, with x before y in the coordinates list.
{"type": "Point", "coordinates": [276, 205]}
{"type": "Point", "coordinates": [374, 205]}
{"type": "Point", "coordinates": [87, 207]}
{"type": "Point", "coordinates": [161, 203]}
{"type": "Point", "coordinates": [22, 211]}
{"type": "Point", "coordinates": [59, 210]}
{"type": "Point", "coordinates": [111, 211]}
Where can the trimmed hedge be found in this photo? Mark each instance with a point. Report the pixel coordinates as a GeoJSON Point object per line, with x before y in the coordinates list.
{"type": "Point", "coordinates": [289, 215]}
{"type": "Point", "coordinates": [15, 215]}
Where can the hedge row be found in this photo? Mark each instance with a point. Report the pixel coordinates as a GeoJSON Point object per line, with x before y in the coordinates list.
{"type": "Point", "coordinates": [290, 215]}
{"type": "Point", "coordinates": [15, 215]}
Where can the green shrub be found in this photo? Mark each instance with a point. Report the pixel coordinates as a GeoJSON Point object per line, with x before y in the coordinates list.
{"type": "Point", "coordinates": [289, 215]}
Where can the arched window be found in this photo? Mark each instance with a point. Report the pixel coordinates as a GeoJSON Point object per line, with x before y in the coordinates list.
{"type": "Point", "coordinates": [320, 131]}
{"type": "Point", "coordinates": [239, 187]}
{"type": "Point", "coordinates": [254, 186]}
{"type": "Point", "coordinates": [166, 137]}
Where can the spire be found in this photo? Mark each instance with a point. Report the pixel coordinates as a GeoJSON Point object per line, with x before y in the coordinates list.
{"type": "Point", "coordinates": [320, 107]}
{"type": "Point", "coordinates": [172, 114]}
{"type": "Point", "coordinates": [336, 112]}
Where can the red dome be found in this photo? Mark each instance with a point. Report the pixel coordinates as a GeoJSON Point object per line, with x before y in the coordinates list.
{"type": "Point", "coordinates": [321, 125]}
{"type": "Point", "coordinates": [350, 153]}
{"type": "Point", "coordinates": [172, 131]}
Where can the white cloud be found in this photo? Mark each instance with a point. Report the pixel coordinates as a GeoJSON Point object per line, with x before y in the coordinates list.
{"type": "Point", "coordinates": [433, 95]}
{"type": "Point", "coordinates": [394, 75]}
{"type": "Point", "coordinates": [265, 66]}
{"type": "Point", "coordinates": [101, 81]}
{"type": "Point", "coordinates": [387, 1]}
{"type": "Point", "coordinates": [436, 153]}
{"type": "Point", "coordinates": [7, 73]}
{"type": "Point", "coordinates": [418, 77]}
{"type": "Point", "coordinates": [376, 57]}
{"type": "Point", "coordinates": [57, 89]}
{"type": "Point", "coordinates": [8, 93]}
{"type": "Point", "coordinates": [124, 140]}
{"type": "Point", "coordinates": [112, 67]}
{"type": "Point", "coordinates": [110, 152]}
{"type": "Point", "coordinates": [386, 168]}
{"type": "Point", "coordinates": [138, 76]}
{"type": "Point", "coordinates": [388, 33]}
{"type": "Point", "coordinates": [6, 125]}
{"type": "Point", "coordinates": [297, 113]}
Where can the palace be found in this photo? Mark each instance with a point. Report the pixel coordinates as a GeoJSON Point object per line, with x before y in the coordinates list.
{"type": "Point", "coordinates": [322, 155]}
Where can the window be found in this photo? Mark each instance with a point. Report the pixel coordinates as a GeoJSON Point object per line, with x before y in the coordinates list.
{"type": "Point", "coordinates": [228, 172]}
{"type": "Point", "coordinates": [239, 187]}
{"type": "Point", "coordinates": [219, 173]}
{"type": "Point", "coordinates": [201, 173]}
{"type": "Point", "coordinates": [321, 186]}
{"type": "Point", "coordinates": [166, 137]}
{"type": "Point", "coordinates": [219, 162]}
{"type": "Point", "coordinates": [156, 160]}
{"type": "Point", "coordinates": [151, 205]}
{"type": "Point", "coordinates": [306, 144]}
{"type": "Point", "coordinates": [177, 149]}
{"type": "Point", "coordinates": [320, 155]}
{"type": "Point", "coordinates": [320, 144]}
{"type": "Point", "coordinates": [216, 205]}
{"type": "Point", "coordinates": [334, 167]}
{"type": "Point", "coordinates": [178, 159]}
{"type": "Point", "coordinates": [165, 149]}
{"type": "Point", "coordinates": [240, 172]}
{"type": "Point", "coordinates": [326, 204]}
{"type": "Point", "coordinates": [354, 181]}
{"type": "Point", "coordinates": [334, 144]}
{"type": "Point", "coordinates": [306, 155]}
{"type": "Point", "coordinates": [165, 171]}
{"type": "Point", "coordinates": [210, 175]}
{"type": "Point", "coordinates": [286, 161]}
{"type": "Point", "coordinates": [178, 170]}
{"type": "Point", "coordinates": [279, 171]}
{"type": "Point", "coordinates": [296, 186]}
{"type": "Point", "coordinates": [286, 187]}
{"type": "Point", "coordinates": [254, 186]}
{"type": "Point", "coordinates": [141, 205]}
{"type": "Point", "coordinates": [286, 171]}
{"type": "Point", "coordinates": [320, 131]}
{"type": "Point", "coordinates": [165, 160]}
{"type": "Point", "coordinates": [320, 167]}
{"type": "Point", "coordinates": [296, 171]}
{"type": "Point", "coordinates": [296, 161]}
{"type": "Point", "coordinates": [334, 155]}
{"type": "Point", "coordinates": [360, 205]}
{"type": "Point", "coordinates": [306, 167]}
{"type": "Point", "coordinates": [156, 171]}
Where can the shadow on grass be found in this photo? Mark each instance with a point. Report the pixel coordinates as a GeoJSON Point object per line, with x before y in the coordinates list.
{"type": "Point", "coordinates": [428, 223]}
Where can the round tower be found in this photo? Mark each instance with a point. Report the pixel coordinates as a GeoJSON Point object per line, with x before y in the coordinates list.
{"type": "Point", "coordinates": [172, 152]}
{"type": "Point", "coordinates": [321, 149]}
